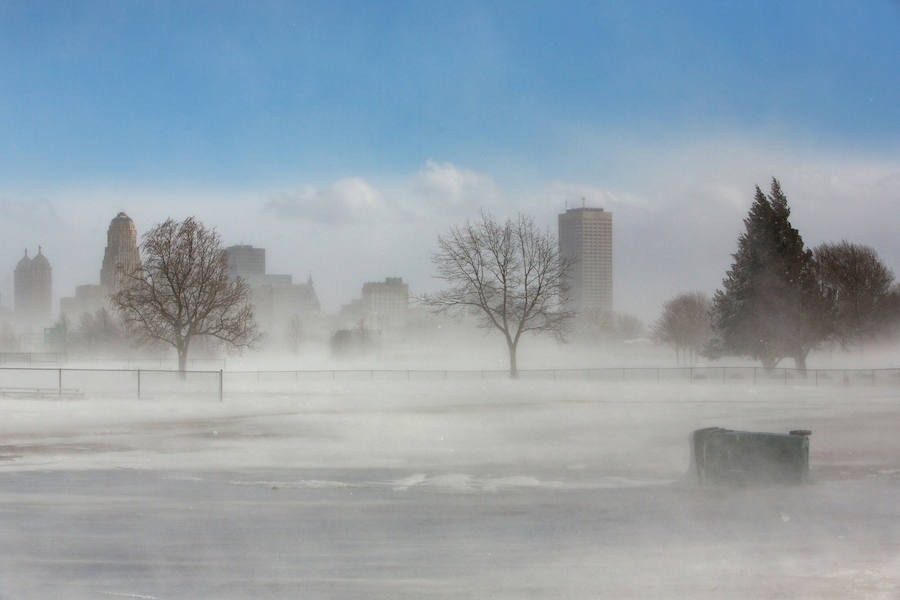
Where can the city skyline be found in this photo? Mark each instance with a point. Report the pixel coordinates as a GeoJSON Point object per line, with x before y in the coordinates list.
{"type": "Point", "coordinates": [324, 131]}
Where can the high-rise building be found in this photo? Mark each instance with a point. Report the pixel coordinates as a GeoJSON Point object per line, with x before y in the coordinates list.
{"type": "Point", "coordinates": [585, 238]}
{"type": "Point", "coordinates": [33, 289]}
{"type": "Point", "coordinates": [121, 256]}
{"type": "Point", "coordinates": [246, 261]}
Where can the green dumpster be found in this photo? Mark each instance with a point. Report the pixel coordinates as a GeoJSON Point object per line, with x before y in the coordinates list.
{"type": "Point", "coordinates": [734, 457]}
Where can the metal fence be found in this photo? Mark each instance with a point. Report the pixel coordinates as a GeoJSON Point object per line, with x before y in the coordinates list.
{"type": "Point", "coordinates": [149, 383]}
{"type": "Point", "coordinates": [139, 383]}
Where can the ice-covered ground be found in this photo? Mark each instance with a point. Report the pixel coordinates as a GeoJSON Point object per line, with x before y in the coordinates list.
{"type": "Point", "coordinates": [459, 489]}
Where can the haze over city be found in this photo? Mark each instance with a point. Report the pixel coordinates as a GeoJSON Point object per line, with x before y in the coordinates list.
{"type": "Point", "coordinates": [316, 131]}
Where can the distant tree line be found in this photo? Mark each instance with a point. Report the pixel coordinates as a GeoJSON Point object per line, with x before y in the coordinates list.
{"type": "Point", "coordinates": [779, 299]}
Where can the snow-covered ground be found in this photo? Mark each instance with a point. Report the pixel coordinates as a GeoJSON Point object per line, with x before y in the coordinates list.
{"type": "Point", "coordinates": [443, 489]}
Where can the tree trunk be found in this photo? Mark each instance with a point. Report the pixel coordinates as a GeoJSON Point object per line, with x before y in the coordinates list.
{"type": "Point", "coordinates": [513, 369]}
{"type": "Point", "coordinates": [800, 361]}
{"type": "Point", "coordinates": [182, 359]}
{"type": "Point", "coordinates": [769, 362]}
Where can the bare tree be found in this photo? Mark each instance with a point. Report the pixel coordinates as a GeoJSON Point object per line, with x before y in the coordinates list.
{"type": "Point", "coordinates": [509, 274]}
{"type": "Point", "coordinates": [610, 326]}
{"type": "Point", "coordinates": [685, 324]}
{"type": "Point", "coordinates": [98, 332]}
{"type": "Point", "coordinates": [865, 305]}
{"type": "Point", "coordinates": [182, 290]}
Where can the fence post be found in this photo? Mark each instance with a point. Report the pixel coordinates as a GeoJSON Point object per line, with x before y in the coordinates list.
{"type": "Point", "coordinates": [59, 389]}
{"type": "Point", "coordinates": [139, 383]}
{"type": "Point", "coordinates": [221, 386]}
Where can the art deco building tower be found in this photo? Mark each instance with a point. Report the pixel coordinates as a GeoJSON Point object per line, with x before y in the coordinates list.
{"type": "Point", "coordinates": [121, 256]}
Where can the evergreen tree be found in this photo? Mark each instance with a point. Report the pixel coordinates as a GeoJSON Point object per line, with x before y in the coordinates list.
{"type": "Point", "coordinates": [772, 306]}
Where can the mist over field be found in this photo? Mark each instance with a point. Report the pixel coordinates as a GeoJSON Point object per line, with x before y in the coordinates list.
{"type": "Point", "coordinates": [449, 300]}
{"type": "Point", "coordinates": [387, 489]}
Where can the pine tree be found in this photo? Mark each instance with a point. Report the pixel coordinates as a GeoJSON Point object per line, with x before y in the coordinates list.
{"type": "Point", "coordinates": [771, 306]}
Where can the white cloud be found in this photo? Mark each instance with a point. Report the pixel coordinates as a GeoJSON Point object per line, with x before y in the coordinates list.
{"type": "Point", "coordinates": [572, 194]}
{"type": "Point", "coordinates": [446, 189]}
{"type": "Point", "coordinates": [346, 201]}
{"type": "Point", "coordinates": [677, 215]}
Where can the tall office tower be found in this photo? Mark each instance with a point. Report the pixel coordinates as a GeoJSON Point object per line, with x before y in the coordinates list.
{"type": "Point", "coordinates": [246, 261]}
{"type": "Point", "coordinates": [33, 289]}
{"type": "Point", "coordinates": [121, 256]}
{"type": "Point", "coordinates": [585, 238]}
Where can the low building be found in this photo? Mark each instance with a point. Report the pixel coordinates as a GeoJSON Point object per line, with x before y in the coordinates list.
{"type": "Point", "coordinates": [277, 300]}
{"type": "Point", "coordinates": [88, 299]}
{"type": "Point", "coordinates": [280, 306]}
{"type": "Point", "coordinates": [386, 303]}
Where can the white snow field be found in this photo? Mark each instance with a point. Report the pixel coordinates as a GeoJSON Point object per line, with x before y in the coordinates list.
{"type": "Point", "coordinates": [444, 489]}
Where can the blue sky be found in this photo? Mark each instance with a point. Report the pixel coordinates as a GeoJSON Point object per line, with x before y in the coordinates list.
{"type": "Point", "coordinates": [235, 92]}
{"type": "Point", "coordinates": [425, 111]}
